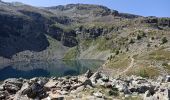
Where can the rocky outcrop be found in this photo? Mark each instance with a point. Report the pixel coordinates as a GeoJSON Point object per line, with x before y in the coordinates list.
{"type": "Point", "coordinates": [163, 22]}
{"type": "Point", "coordinates": [73, 86]}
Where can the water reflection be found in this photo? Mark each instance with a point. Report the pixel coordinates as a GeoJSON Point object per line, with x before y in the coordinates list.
{"type": "Point", "coordinates": [47, 68]}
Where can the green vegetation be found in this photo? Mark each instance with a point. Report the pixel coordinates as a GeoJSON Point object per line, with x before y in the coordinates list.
{"type": "Point", "coordinates": [167, 67]}
{"type": "Point", "coordinates": [65, 28]}
{"type": "Point", "coordinates": [103, 44]}
{"type": "Point", "coordinates": [108, 92]}
{"type": "Point", "coordinates": [86, 43]}
{"type": "Point", "coordinates": [133, 98]}
{"type": "Point", "coordinates": [160, 55]}
{"type": "Point", "coordinates": [164, 40]}
{"type": "Point", "coordinates": [119, 62]}
{"type": "Point", "coordinates": [131, 41]}
{"type": "Point", "coordinates": [143, 71]}
{"type": "Point", "coordinates": [71, 54]}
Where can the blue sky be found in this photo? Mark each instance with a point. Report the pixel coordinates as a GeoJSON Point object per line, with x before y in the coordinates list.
{"type": "Point", "coordinates": [159, 8]}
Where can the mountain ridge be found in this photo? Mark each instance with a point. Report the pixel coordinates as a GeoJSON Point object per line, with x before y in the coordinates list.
{"type": "Point", "coordinates": [83, 31]}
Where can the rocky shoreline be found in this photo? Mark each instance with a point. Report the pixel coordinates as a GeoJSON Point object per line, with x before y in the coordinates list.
{"type": "Point", "coordinates": [89, 86]}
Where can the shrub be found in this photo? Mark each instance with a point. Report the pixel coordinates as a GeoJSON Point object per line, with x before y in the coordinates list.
{"type": "Point", "coordinates": [117, 52]}
{"type": "Point", "coordinates": [143, 73]}
{"type": "Point", "coordinates": [148, 45]}
{"type": "Point", "coordinates": [138, 37]}
{"type": "Point", "coordinates": [131, 41]}
{"type": "Point", "coordinates": [164, 64]}
{"type": "Point", "coordinates": [164, 40]}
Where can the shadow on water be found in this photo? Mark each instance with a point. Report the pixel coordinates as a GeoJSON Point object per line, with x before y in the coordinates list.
{"type": "Point", "coordinates": [56, 68]}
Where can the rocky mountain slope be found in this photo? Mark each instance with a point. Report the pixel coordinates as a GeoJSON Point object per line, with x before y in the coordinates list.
{"type": "Point", "coordinates": [82, 31]}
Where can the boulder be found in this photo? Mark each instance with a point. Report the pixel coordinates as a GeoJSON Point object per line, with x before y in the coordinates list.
{"type": "Point", "coordinates": [51, 84]}
{"type": "Point", "coordinates": [142, 89]}
{"type": "Point", "coordinates": [74, 79]}
{"type": "Point", "coordinates": [14, 81]}
{"type": "Point", "coordinates": [1, 88]}
{"type": "Point", "coordinates": [87, 82]}
{"type": "Point", "coordinates": [67, 87]}
{"type": "Point", "coordinates": [3, 95]}
{"type": "Point", "coordinates": [35, 90]}
{"type": "Point", "coordinates": [88, 74]}
{"type": "Point", "coordinates": [147, 94]}
{"type": "Point", "coordinates": [98, 94]}
{"type": "Point", "coordinates": [11, 88]}
{"type": "Point", "coordinates": [167, 78]}
{"type": "Point", "coordinates": [104, 78]}
{"type": "Point", "coordinates": [95, 76]}
{"type": "Point", "coordinates": [54, 96]}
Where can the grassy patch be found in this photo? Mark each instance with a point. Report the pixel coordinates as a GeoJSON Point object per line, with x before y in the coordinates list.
{"type": "Point", "coordinates": [108, 92]}
{"type": "Point", "coordinates": [167, 67]}
{"type": "Point", "coordinates": [102, 44]}
{"type": "Point", "coordinates": [160, 55]}
{"type": "Point", "coordinates": [71, 54]}
{"type": "Point", "coordinates": [143, 71]}
{"type": "Point", "coordinates": [53, 43]}
{"type": "Point", "coordinates": [120, 62]}
{"type": "Point", "coordinates": [133, 98]}
{"type": "Point", "coordinates": [86, 43]}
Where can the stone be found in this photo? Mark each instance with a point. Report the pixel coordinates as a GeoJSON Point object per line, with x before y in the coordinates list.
{"type": "Point", "coordinates": [95, 76]}
{"type": "Point", "coordinates": [147, 94]}
{"type": "Point", "coordinates": [33, 80]}
{"type": "Point", "coordinates": [98, 94]}
{"type": "Point", "coordinates": [142, 89]}
{"type": "Point", "coordinates": [79, 89]}
{"type": "Point", "coordinates": [51, 84]}
{"type": "Point", "coordinates": [104, 78]}
{"type": "Point", "coordinates": [11, 88]}
{"type": "Point", "coordinates": [167, 78]}
{"type": "Point", "coordinates": [63, 92]}
{"type": "Point", "coordinates": [14, 81]}
{"type": "Point", "coordinates": [87, 82]}
{"type": "Point", "coordinates": [74, 79]}
{"type": "Point", "coordinates": [88, 74]}
{"type": "Point", "coordinates": [67, 87]}
{"type": "Point", "coordinates": [18, 96]}
{"type": "Point", "coordinates": [3, 95]}
{"type": "Point", "coordinates": [54, 96]}
{"type": "Point", "coordinates": [126, 90]}
{"type": "Point", "coordinates": [1, 88]}
{"type": "Point", "coordinates": [100, 82]}
{"type": "Point", "coordinates": [167, 93]}
{"type": "Point", "coordinates": [42, 82]}
{"type": "Point", "coordinates": [35, 90]}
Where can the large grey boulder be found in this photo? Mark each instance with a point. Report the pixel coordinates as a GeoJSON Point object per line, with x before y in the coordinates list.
{"type": "Point", "coordinates": [98, 94]}
{"type": "Point", "coordinates": [3, 95]}
{"type": "Point", "coordinates": [11, 88]}
{"type": "Point", "coordinates": [88, 74]}
{"type": "Point", "coordinates": [14, 81]}
{"type": "Point", "coordinates": [87, 82]}
{"type": "Point", "coordinates": [35, 90]}
{"type": "Point", "coordinates": [95, 76]}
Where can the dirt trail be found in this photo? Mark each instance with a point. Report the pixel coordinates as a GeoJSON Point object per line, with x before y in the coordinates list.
{"type": "Point", "coordinates": [130, 66]}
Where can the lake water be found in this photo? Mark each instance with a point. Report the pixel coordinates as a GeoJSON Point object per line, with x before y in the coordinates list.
{"type": "Point", "coordinates": [55, 68]}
